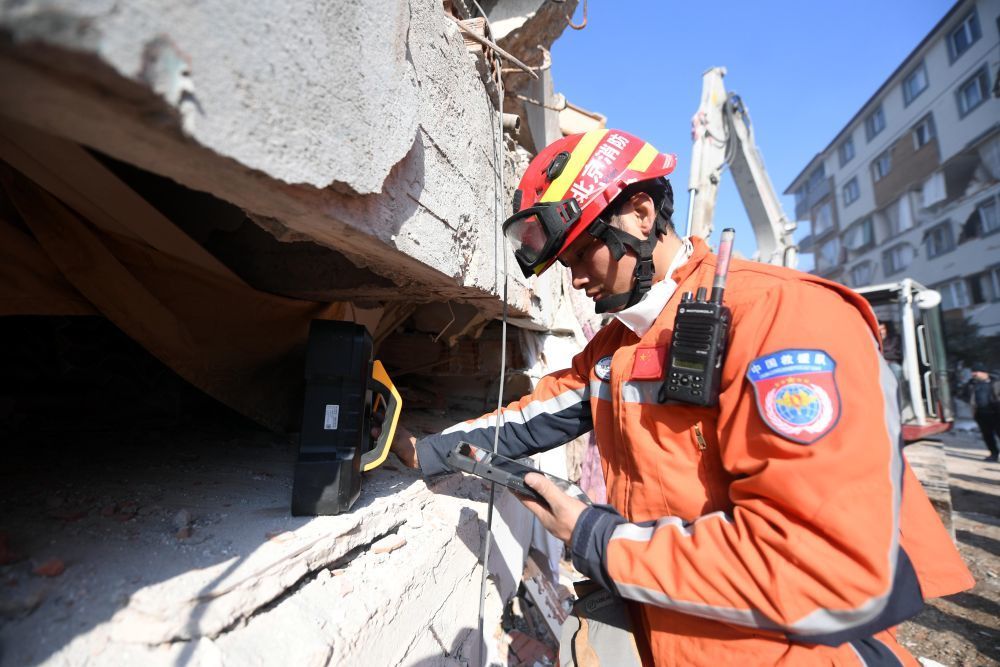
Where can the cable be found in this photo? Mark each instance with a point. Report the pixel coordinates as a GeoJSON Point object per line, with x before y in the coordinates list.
{"type": "Point", "coordinates": [582, 24]}
{"type": "Point", "coordinates": [498, 252]}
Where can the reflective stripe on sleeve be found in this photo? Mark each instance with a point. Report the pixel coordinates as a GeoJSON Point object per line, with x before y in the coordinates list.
{"type": "Point", "coordinates": [600, 390]}
{"type": "Point", "coordinates": [633, 391]}
{"type": "Point", "coordinates": [558, 403]}
{"type": "Point", "coordinates": [822, 624]}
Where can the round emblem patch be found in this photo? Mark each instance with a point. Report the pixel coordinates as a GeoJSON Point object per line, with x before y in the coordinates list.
{"type": "Point", "coordinates": [602, 369]}
{"type": "Point", "coordinates": [796, 393]}
{"type": "Point", "coordinates": [799, 408]}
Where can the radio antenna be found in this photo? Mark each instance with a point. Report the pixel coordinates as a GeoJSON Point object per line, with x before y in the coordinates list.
{"type": "Point", "coordinates": [722, 267]}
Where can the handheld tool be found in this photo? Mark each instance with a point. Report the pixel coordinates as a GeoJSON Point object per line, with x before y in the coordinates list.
{"type": "Point", "coordinates": [345, 387]}
{"type": "Point", "coordinates": [504, 471]}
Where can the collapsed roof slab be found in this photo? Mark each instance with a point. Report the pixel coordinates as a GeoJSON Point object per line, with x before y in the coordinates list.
{"type": "Point", "coordinates": [363, 126]}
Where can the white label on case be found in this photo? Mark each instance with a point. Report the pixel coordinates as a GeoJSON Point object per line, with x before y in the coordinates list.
{"type": "Point", "coordinates": [331, 418]}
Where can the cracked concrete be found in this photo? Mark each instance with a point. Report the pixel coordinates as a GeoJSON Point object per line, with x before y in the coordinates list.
{"type": "Point", "coordinates": [363, 126]}
{"type": "Point", "coordinates": [288, 74]}
{"type": "Point", "coordinates": [246, 581]}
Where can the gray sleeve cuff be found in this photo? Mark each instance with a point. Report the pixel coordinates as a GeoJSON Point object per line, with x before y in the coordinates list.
{"type": "Point", "coordinates": [430, 454]}
{"type": "Point", "coordinates": [589, 542]}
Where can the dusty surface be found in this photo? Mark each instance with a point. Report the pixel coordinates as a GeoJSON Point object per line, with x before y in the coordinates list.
{"type": "Point", "coordinates": [177, 548]}
{"type": "Point", "coordinates": [964, 629]}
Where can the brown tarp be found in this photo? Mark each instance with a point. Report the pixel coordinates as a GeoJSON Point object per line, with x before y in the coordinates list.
{"type": "Point", "coordinates": [242, 346]}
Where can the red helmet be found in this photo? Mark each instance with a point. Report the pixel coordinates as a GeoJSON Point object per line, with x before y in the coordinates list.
{"type": "Point", "coordinates": [569, 184]}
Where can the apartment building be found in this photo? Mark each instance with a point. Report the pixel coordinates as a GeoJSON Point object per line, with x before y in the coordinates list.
{"type": "Point", "coordinates": [910, 187]}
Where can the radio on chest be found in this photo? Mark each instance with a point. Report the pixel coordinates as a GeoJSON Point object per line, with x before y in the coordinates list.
{"type": "Point", "coordinates": [693, 369]}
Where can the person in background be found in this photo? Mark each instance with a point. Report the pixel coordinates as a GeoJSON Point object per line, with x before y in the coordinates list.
{"type": "Point", "coordinates": [892, 350]}
{"type": "Point", "coordinates": [982, 391]}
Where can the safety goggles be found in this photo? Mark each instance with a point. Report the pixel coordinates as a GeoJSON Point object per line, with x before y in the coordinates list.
{"type": "Point", "coordinates": [537, 233]}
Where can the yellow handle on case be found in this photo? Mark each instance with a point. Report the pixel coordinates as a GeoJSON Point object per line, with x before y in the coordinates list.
{"type": "Point", "coordinates": [385, 392]}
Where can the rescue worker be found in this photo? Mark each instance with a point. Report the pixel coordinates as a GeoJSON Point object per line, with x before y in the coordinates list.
{"type": "Point", "coordinates": [983, 393]}
{"type": "Point", "coordinates": [781, 526]}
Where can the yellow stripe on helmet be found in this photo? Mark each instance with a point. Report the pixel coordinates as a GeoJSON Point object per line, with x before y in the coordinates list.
{"type": "Point", "coordinates": [643, 158]}
{"type": "Point", "coordinates": [584, 149]}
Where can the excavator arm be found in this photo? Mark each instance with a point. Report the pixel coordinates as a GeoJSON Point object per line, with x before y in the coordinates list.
{"type": "Point", "coordinates": [723, 136]}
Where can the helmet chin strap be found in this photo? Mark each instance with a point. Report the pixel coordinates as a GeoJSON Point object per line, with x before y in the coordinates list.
{"type": "Point", "coordinates": [642, 278]}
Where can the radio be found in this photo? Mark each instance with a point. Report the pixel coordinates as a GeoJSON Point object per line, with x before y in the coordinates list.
{"type": "Point", "coordinates": [698, 347]}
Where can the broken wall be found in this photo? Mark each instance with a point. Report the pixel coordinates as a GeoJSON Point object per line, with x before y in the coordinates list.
{"type": "Point", "coordinates": [366, 129]}
{"type": "Point", "coordinates": [363, 126]}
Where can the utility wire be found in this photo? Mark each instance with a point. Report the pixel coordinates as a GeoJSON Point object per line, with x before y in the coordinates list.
{"type": "Point", "coordinates": [499, 255]}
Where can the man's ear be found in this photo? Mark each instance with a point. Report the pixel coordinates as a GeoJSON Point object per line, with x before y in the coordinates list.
{"type": "Point", "coordinates": [645, 209]}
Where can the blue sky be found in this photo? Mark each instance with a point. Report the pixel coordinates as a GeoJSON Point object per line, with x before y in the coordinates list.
{"type": "Point", "coordinates": [802, 68]}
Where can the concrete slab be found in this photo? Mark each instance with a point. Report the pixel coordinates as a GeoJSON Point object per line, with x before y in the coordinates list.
{"type": "Point", "coordinates": [179, 549]}
{"type": "Point", "coordinates": [362, 126]}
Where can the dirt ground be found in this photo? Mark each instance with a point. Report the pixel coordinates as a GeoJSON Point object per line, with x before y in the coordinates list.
{"type": "Point", "coordinates": [964, 629]}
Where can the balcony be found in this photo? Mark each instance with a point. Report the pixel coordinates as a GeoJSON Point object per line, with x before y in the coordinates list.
{"type": "Point", "coordinates": [815, 195]}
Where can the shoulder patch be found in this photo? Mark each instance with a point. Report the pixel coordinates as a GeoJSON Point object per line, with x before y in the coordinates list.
{"type": "Point", "coordinates": [796, 391]}
{"type": "Point", "coordinates": [602, 369]}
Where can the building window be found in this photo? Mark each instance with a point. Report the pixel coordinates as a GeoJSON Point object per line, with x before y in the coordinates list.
{"type": "Point", "coordinates": [989, 217]}
{"type": "Point", "coordinates": [923, 132]}
{"type": "Point", "coordinates": [862, 274]}
{"type": "Point", "coordinates": [993, 283]}
{"type": "Point", "coordinates": [973, 92]}
{"type": "Point", "coordinates": [914, 84]}
{"type": "Point", "coordinates": [851, 192]}
{"type": "Point", "coordinates": [828, 254]}
{"type": "Point", "coordinates": [800, 195]}
{"type": "Point", "coordinates": [939, 240]}
{"type": "Point", "coordinates": [874, 123]}
{"type": "Point", "coordinates": [899, 216]}
{"type": "Point", "coordinates": [986, 286]}
{"type": "Point", "coordinates": [822, 219]}
{"type": "Point", "coordinates": [964, 36]}
{"type": "Point", "coordinates": [897, 258]}
{"type": "Point", "coordinates": [816, 177]}
{"type": "Point", "coordinates": [881, 166]}
{"type": "Point", "coordinates": [846, 151]}
{"type": "Point", "coordinates": [954, 294]}
{"type": "Point", "coordinates": [860, 235]}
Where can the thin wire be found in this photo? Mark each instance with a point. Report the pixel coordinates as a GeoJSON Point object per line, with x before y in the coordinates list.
{"type": "Point", "coordinates": [498, 249]}
{"type": "Point", "coordinates": [450, 322]}
{"type": "Point", "coordinates": [582, 25]}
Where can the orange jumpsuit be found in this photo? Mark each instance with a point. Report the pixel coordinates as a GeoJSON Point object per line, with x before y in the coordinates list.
{"type": "Point", "coordinates": [741, 539]}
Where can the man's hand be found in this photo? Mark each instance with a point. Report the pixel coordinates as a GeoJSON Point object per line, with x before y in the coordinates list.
{"type": "Point", "coordinates": [560, 514]}
{"type": "Point", "coordinates": [404, 446]}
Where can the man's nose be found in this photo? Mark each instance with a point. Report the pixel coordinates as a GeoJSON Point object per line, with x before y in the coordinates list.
{"type": "Point", "coordinates": [580, 277]}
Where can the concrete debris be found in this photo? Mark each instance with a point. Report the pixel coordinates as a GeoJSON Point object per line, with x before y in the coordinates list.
{"type": "Point", "coordinates": [529, 652]}
{"type": "Point", "coordinates": [182, 520]}
{"type": "Point", "coordinates": [50, 568]}
{"type": "Point", "coordinates": [388, 543]}
{"type": "Point", "coordinates": [359, 588]}
{"type": "Point", "coordinates": [20, 604]}
{"type": "Point", "coordinates": [548, 599]}
{"type": "Point", "coordinates": [283, 536]}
